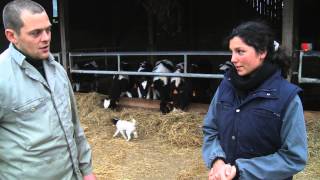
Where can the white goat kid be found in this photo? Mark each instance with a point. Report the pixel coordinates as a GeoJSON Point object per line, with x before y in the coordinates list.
{"type": "Point", "coordinates": [126, 128]}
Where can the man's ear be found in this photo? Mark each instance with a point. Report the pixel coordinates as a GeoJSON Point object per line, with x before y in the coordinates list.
{"type": "Point", "coordinates": [11, 35]}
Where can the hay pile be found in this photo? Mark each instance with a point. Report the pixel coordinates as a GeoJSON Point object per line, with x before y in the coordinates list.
{"type": "Point", "coordinates": [177, 128]}
{"type": "Point", "coordinates": [311, 171]}
{"type": "Point", "coordinates": [168, 146]}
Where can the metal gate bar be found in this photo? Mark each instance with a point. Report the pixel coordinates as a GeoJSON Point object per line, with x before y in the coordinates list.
{"type": "Point", "coordinates": [185, 55]}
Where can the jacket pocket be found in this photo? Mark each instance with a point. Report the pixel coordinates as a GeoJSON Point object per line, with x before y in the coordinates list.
{"type": "Point", "coordinates": [224, 106]}
{"type": "Point", "coordinates": [34, 121]}
{"type": "Point", "coordinates": [259, 133]}
{"type": "Point", "coordinates": [30, 106]}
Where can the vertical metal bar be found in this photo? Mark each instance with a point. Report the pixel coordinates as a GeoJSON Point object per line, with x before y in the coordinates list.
{"type": "Point", "coordinates": [185, 60]}
{"type": "Point", "coordinates": [118, 60]}
{"type": "Point", "coordinates": [70, 62]}
{"type": "Point", "coordinates": [300, 66]}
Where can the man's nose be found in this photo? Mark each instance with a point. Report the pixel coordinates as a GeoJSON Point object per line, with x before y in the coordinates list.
{"type": "Point", "coordinates": [46, 35]}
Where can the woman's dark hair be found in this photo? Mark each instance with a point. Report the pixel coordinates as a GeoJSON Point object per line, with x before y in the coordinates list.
{"type": "Point", "coordinates": [261, 37]}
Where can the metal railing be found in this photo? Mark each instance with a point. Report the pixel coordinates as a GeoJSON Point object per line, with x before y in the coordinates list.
{"type": "Point", "coordinates": [57, 57]}
{"type": "Point", "coordinates": [302, 79]}
{"type": "Point", "coordinates": [120, 55]}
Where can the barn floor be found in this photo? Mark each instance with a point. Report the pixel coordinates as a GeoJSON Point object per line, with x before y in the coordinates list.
{"type": "Point", "coordinates": [168, 146]}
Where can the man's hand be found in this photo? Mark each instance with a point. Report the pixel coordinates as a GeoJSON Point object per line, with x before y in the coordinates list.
{"type": "Point", "coordinates": [89, 177]}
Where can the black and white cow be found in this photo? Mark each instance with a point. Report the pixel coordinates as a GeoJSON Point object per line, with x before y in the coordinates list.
{"type": "Point", "coordinates": [161, 84]}
{"type": "Point", "coordinates": [120, 87]}
{"type": "Point", "coordinates": [143, 83]}
{"type": "Point", "coordinates": [180, 89]}
{"type": "Point", "coordinates": [84, 82]}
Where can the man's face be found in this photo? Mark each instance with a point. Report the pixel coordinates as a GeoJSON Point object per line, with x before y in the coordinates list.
{"type": "Point", "coordinates": [35, 35]}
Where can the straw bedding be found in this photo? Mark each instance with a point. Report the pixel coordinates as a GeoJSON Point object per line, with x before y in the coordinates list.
{"type": "Point", "coordinates": [168, 146]}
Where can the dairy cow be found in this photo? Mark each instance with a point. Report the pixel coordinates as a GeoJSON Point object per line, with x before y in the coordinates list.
{"type": "Point", "coordinates": [161, 84]}
{"type": "Point", "coordinates": [180, 89]}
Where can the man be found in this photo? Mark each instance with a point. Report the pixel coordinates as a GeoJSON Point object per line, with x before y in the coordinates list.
{"type": "Point", "coordinates": [40, 133]}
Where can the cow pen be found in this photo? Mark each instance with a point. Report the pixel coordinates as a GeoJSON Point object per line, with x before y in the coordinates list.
{"type": "Point", "coordinates": [304, 76]}
{"type": "Point", "coordinates": [120, 55]}
{"type": "Point", "coordinates": [299, 71]}
{"type": "Point", "coordinates": [215, 57]}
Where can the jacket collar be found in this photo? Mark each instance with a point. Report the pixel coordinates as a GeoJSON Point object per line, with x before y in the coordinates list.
{"type": "Point", "coordinates": [19, 58]}
{"type": "Point", "coordinates": [270, 87]}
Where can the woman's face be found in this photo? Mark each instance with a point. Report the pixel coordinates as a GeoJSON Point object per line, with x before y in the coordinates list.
{"type": "Point", "coordinates": [245, 58]}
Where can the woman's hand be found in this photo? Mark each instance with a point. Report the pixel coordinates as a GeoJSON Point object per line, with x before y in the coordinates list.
{"type": "Point", "coordinates": [222, 171]}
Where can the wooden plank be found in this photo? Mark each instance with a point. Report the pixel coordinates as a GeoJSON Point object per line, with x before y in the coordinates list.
{"type": "Point", "coordinates": [288, 30]}
{"type": "Point", "coordinates": [62, 4]}
{"type": "Point", "coordinates": [155, 105]}
{"type": "Point", "coordinates": [288, 25]}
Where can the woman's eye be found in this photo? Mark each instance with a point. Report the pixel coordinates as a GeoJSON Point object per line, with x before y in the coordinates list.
{"type": "Point", "coordinates": [240, 52]}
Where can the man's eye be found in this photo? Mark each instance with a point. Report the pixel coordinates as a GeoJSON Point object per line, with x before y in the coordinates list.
{"type": "Point", "coordinates": [48, 30]}
{"type": "Point", "coordinates": [35, 33]}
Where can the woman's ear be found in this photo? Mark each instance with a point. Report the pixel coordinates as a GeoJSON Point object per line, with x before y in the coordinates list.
{"type": "Point", "coordinates": [11, 35]}
{"type": "Point", "coordinates": [263, 55]}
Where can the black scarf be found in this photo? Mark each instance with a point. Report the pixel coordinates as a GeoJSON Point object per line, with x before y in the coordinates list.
{"type": "Point", "coordinates": [244, 84]}
{"type": "Point", "coordinates": [36, 63]}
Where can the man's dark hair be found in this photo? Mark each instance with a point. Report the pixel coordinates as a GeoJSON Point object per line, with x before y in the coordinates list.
{"type": "Point", "coordinates": [12, 11]}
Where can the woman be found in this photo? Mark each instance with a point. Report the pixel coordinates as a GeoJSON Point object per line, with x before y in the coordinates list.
{"type": "Point", "coordinates": [255, 128]}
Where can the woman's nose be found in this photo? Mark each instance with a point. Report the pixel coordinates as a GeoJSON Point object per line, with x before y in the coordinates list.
{"type": "Point", "coordinates": [233, 58]}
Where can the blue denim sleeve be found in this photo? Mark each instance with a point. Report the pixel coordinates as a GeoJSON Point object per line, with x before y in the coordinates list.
{"type": "Point", "coordinates": [290, 158]}
{"type": "Point", "coordinates": [211, 148]}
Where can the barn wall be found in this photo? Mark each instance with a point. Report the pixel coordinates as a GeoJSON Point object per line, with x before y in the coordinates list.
{"type": "Point", "coordinates": [123, 25]}
{"type": "Point", "coordinates": [309, 31]}
{"type": "Point", "coordinates": [55, 45]}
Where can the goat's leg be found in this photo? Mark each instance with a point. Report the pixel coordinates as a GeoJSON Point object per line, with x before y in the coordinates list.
{"type": "Point", "coordinates": [116, 133]}
{"type": "Point", "coordinates": [128, 135]}
{"type": "Point", "coordinates": [123, 134]}
{"type": "Point", "coordinates": [135, 134]}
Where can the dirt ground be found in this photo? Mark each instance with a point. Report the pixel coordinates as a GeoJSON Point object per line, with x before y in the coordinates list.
{"type": "Point", "coordinates": [168, 146]}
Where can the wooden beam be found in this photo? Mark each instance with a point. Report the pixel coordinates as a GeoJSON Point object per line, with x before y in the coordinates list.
{"type": "Point", "coordinates": [62, 4]}
{"type": "Point", "coordinates": [155, 105]}
{"type": "Point", "coordinates": [288, 28]}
